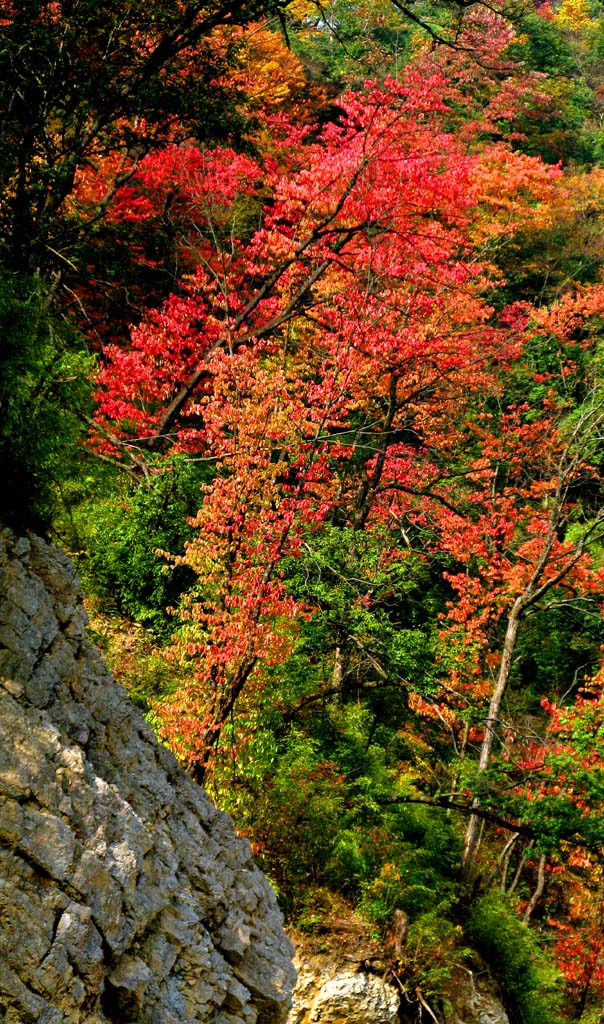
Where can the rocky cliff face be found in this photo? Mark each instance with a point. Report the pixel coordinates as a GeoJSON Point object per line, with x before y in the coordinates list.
{"type": "Point", "coordinates": [124, 895]}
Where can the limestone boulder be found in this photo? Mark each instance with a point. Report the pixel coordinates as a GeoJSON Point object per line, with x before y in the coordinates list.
{"type": "Point", "coordinates": [346, 997]}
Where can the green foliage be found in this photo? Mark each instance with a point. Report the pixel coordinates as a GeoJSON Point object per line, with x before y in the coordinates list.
{"type": "Point", "coordinates": [328, 780]}
{"type": "Point", "coordinates": [419, 878]}
{"type": "Point", "coordinates": [434, 948]}
{"type": "Point", "coordinates": [321, 780]}
{"type": "Point", "coordinates": [134, 658]}
{"type": "Point", "coordinates": [43, 388]}
{"type": "Point", "coordinates": [563, 132]}
{"type": "Point", "coordinates": [378, 613]}
{"type": "Point", "coordinates": [328, 747]}
{"type": "Point", "coordinates": [541, 46]}
{"type": "Point", "coordinates": [345, 43]}
{"type": "Point", "coordinates": [531, 985]}
{"type": "Point", "coordinates": [122, 533]}
{"type": "Point", "coordinates": [302, 797]}
{"type": "Point", "coordinates": [558, 648]}
{"type": "Point", "coordinates": [573, 789]}
{"type": "Point", "coordinates": [419, 875]}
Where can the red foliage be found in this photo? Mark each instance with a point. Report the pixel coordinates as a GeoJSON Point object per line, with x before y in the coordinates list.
{"type": "Point", "coordinates": [334, 357]}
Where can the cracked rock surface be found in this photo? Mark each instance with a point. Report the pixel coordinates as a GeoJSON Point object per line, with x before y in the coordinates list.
{"type": "Point", "coordinates": [124, 894]}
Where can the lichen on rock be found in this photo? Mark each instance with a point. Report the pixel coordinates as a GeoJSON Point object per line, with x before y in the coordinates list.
{"type": "Point", "coordinates": [124, 894]}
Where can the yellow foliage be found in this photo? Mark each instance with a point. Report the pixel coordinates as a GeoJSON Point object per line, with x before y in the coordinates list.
{"type": "Point", "coordinates": [573, 15]}
{"type": "Point", "coordinates": [275, 75]}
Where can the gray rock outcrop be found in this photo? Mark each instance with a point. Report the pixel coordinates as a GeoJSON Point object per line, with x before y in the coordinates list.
{"type": "Point", "coordinates": [124, 894]}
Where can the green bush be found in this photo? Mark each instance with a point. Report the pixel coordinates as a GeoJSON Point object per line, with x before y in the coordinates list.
{"type": "Point", "coordinates": [304, 797]}
{"type": "Point", "coordinates": [418, 874]}
{"type": "Point", "coordinates": [434, 948]}
{"type": "Point", "coordinates": [44, 385]}
{"type": "Point", "coordinates": [531, 986]}
{"type": "Point", "coordinates": [120, 534]}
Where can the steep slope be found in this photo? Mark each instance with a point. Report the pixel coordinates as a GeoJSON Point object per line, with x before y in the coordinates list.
{"type": "Point", "coordinates": [124, 895]}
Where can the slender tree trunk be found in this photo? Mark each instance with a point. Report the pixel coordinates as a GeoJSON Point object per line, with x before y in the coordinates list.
{"type": "Point", "coordinates": [472, 836]}
{"type": "Point", "coordinates": [338, 670]}
{"type": "Point", "coordinates": [535, 588]}
{"type": "Point", "coordinates": [538, 890]}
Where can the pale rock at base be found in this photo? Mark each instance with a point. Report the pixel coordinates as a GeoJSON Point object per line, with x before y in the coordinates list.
{"type": "Point", "coordinates": [329, 992]}
{"type": "Point", "coordinates": [336, 996]}
{"type": "Point", "coordinates": [473, 1001]}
